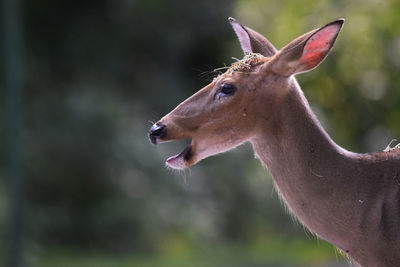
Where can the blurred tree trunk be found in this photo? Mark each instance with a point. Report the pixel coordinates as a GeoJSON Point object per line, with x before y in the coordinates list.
{"type": "Point", "coordinates": [13, 91]}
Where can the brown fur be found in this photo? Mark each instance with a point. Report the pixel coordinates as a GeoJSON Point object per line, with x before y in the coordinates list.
{"type": "Point", "coordinates": [351, 200]}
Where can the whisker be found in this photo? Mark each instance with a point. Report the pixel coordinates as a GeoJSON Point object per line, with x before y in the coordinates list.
{"type": "Point", "coordinates": [210, 75]}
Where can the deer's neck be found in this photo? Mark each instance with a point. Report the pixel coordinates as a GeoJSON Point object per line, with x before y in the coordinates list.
{"type": "Point", "coordinates": [302, 158]}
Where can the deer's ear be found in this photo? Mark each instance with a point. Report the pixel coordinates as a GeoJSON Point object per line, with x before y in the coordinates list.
{"type": "Point", "coordinates": [251, 41]}
{"type": "Point", "coordinates": [307, 51]}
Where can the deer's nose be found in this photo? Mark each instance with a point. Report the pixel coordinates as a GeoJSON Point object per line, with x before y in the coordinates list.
{"type": "Point", "coordinates": [157, 131]}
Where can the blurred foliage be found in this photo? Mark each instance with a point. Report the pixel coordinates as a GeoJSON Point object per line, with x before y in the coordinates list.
{"type": "Point", "coordinates": [98, 72]}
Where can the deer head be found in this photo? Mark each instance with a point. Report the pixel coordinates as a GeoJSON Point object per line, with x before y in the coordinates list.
{"type": "Point", "coordinates": [231, 109]}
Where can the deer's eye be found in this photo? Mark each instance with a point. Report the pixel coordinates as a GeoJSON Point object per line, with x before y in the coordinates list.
{"type": "Point", "coordinates": [227, 89]}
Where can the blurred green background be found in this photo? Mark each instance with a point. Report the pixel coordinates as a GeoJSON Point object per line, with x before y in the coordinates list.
{"type": "Point", "coordinates": [95, 74]}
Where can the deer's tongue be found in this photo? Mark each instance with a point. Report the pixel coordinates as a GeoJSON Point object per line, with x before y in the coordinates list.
{"type": "Point", "coordinates": [179, 161]}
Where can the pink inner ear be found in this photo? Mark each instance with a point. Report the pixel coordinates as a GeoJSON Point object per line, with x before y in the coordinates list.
{"type": "Point", "coordinates": [242, 35]}
{"type": "Point", "coordinates": [318, 46]}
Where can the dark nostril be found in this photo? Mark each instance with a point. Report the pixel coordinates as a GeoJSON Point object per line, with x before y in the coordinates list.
{"type": "Point", "coordinates": [157, 131]}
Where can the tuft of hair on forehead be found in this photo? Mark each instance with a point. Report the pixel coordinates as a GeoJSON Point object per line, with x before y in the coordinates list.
{"type": "Point", "coordinates": [247, 63]}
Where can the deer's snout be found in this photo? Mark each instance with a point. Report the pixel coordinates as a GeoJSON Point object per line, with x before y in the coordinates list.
{"type": "Point", "coordinates": [157, 131]}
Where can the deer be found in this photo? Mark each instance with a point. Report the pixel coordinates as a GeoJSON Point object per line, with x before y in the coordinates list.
{"type": "Point", "coordinates": [349, 199]}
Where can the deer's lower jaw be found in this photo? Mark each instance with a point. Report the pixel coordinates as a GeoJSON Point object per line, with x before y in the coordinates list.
{"type": "Point", "coordinates": [181, 160]}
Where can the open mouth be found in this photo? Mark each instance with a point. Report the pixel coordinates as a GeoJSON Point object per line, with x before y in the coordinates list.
{"type": "Point", "coordinates": [180, 161]}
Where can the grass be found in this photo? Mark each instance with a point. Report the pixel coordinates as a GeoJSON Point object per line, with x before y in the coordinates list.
{"type": "Point", "coordinates": [176, 253]}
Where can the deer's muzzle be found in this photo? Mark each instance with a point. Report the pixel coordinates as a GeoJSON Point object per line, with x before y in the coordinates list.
{"type": "Point", "coordinates": [157, 131]}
